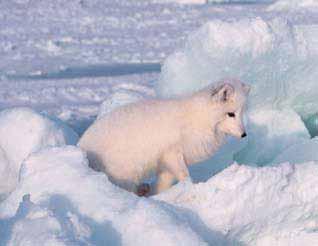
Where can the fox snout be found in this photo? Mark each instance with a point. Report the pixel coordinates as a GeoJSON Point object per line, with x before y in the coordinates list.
{"type": "Point", "coordinates": [243, 135]}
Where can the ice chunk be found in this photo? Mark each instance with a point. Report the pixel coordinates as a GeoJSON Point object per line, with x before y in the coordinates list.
{"type": "Point", "coordinates": [311, 123]}
{"type": "Point", "coordinates": [269, 133]}
{"type": "Point", "coordinates": [209, 55]}
{"type": "Point", "coordinates": [304, 151]}
{"type": "Point", "coordinates": [24, 131]}
{"type": "Point", "coordinates": [275, 56]}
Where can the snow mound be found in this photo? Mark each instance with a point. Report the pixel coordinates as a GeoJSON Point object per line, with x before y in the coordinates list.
{"type": "Point", "coordinates": [282, 5]}
{"type": "Point", "coordinates": [276, 57]}
{"type": "Point", "coordinates": [98, 213]}
{"type": "Point", "coordinates": [256, 206]}
{"type": "Point", "coordinates": [24, 131]}
{"type": "Point", "coordinates": [240, 205]}
{"type": "Point", "coordinates": [269, 133]}
{"type": "Point", "coordinates": [209, 55]}
{"type": "Point", "coordinates": [39, 226]}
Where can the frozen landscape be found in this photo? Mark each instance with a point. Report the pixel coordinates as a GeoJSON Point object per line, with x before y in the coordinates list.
{"type": "Point", "coordinates": [65, 64]}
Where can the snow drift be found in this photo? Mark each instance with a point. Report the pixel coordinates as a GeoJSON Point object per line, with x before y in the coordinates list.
{"type": "Point", "coordinates": [23, 131]}
{"type": "Point", "coordinates": [256, 206]}
{"type": "Point", "coordinates": [241, 205]}
{"type": "Point", "coordinates": [98, 213]}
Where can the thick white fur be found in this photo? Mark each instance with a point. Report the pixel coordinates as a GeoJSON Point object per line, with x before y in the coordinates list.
{"type": "Point", "coordinates": [164, 135]}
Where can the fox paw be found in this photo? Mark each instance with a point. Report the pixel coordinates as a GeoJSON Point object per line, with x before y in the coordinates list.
{"type": "Point", "coordinates": [143, 190]}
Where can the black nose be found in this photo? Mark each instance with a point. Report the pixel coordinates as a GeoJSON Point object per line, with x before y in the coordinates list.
{"type": "Point", "coordinates": [243, 135]}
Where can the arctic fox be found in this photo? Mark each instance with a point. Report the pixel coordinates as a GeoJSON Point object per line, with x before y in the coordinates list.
{"type": "Point", "coordinates": [164, 136]}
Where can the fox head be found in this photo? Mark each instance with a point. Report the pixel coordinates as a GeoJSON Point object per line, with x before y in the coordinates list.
{"type": "Point", "coordinates": [229, 100]}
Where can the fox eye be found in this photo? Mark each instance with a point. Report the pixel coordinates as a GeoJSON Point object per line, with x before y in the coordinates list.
{"type": "Point", "coordinates": [231, 114]}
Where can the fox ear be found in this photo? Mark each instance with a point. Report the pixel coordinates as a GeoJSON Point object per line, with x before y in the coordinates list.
{"type": "Point", "coordinates": [223, 93]}
{"type": "Point", "coordinates": [246, 88]}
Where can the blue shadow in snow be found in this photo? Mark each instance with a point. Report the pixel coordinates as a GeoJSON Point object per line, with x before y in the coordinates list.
{"type": "Point", "coordinates": [98, 70]}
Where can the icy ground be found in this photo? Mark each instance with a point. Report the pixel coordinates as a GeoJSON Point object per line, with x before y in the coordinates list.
{"type": "Point", "coordinates": [64, 63]}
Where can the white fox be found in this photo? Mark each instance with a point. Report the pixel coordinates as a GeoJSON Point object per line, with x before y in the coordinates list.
{"type": "Point", "coordinates": [164, 135]}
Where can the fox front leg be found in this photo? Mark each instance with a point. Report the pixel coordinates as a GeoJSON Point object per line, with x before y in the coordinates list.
{"type": "Point", "coordinates": [173, 167]}
{"type": "Point", "coordinates": [164, 181]}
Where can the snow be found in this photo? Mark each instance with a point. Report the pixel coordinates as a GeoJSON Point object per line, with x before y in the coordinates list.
{"type": "Point", "coordinates": [256, 206]}
{"type": "Point", "coordinates": [73, 61]}
{"type": "Point", "coordinates": [125, 94]}
{"type": "Point", "coordinates": [283, 5]}
{"type": "Point", "coordinates": [212, 1]}
{"type": "Point", "coordinates": [300, 152]}
{"type": "Point", "coordinates": [100, 212]}
{"type": "Point", "coordinates": [274, 205]}
{"type": "Point", "coordinates": [269, 133]}
{"type": "Point", "coordinates": [5, 175]}
{"type": "Point", "coordinates": [184, 1]}
{"type": "Point", "coordinates": [80, 33]}
{"type": "Point", "coordinates": [24, 131]}
{"type": "Point", "coordinates": [209, 55]}
{"type": "Point", "coordinates": [274, 55]}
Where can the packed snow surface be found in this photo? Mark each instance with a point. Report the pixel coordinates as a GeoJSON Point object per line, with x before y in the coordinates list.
{"type": "Point", "coordinates": [65, 63]}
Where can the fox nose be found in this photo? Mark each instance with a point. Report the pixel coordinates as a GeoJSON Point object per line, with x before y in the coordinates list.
{"type": "Point", "coordinates": [243, 135]}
